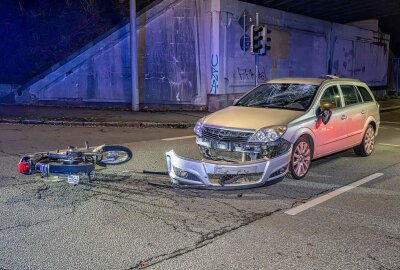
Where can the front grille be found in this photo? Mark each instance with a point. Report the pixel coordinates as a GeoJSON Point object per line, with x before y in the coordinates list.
{"type": "Point", "coordinates": [238, 179]}
{"type": "Point", "coordinates": [226, 135]}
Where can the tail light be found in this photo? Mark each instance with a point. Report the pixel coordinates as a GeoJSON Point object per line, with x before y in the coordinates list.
{"type": "Point", "coordinates": [23, 167]}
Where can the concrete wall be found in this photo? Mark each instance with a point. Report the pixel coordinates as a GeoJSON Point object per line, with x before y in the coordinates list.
{"type": "Point", "coordinates": [168, 56]}
{"type": "Point", "coordinates": [190, 55]}
{"type": "Point", "coordinates": [301, 46]}
{"type": "Point", "coordinates": [168, 69]}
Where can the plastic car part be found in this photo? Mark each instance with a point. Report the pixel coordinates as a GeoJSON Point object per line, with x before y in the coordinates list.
{"type": "Point", "coordinates": [226, 175]}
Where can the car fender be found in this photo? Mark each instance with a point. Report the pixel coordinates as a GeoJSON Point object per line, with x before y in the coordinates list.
{"type": "Point", "coordinates": [293, 136]}
{"type": "Point", "coordinates": [369, 120]}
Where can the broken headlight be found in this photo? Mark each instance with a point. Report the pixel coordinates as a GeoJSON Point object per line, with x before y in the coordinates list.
{"type": "Point", "coordinates": [268, 134]}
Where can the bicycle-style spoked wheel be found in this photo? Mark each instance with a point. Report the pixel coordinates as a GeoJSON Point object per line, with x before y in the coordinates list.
{"type": "Point", "coordinates": [114, 154]}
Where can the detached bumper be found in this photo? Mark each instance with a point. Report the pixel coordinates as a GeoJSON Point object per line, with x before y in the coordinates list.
{"type": "Point", "coordinates": [216, 174]}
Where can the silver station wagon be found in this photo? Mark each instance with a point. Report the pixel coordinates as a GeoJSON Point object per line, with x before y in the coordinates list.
{"type": "Point", "coordinates": [280, 127]}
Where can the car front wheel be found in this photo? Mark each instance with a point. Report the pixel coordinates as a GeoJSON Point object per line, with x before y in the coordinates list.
{"type": "Point", "coordinates": [367, 145]}
{"type": "Point", "coordinates": [301, 158]}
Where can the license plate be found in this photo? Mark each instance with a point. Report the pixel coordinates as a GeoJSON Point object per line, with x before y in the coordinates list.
{"type": "Point", "coordinates": [222, 145]}
{"type": "Point", "coordinates": [73, 179]}
{"type": "Point", "coordinates": [203, 143]}
{"type": "Point", "coordinates": [233, 170]}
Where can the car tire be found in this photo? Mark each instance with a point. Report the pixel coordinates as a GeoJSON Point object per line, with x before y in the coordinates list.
{"type": "Point", "coordinates": [366, 147]}
{"type": "Point", "coordinates": [300, 161]}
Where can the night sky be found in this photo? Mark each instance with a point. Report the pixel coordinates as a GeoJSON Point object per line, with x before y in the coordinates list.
{"type": "Point", "coordinates": [36, 34]}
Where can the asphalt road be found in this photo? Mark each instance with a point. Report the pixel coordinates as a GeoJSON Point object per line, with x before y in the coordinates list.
{"type": "Point", "coordinates": [120, 221]}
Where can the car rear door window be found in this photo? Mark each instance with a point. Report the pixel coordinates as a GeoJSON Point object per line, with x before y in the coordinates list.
{"type": "Point", "coordinates": [332, 95]}
{"type": "Point", "coordinates": [350, 95]}
{"type": "Point", "coordinates": [365, 94]}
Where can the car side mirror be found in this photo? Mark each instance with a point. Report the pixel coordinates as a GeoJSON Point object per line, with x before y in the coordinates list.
{"type": "Point", "coordinates": [326, 111]}
{"type": "Point", "coordinates": [235, 101]}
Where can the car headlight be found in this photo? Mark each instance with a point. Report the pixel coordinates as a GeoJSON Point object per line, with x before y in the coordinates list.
{"type": "Point", "coordinates": [198, 128]}
{"type": "Point", "coordinates": [268, 134]}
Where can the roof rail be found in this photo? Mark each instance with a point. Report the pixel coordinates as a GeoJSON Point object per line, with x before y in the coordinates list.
{"type": "Point", "coordinates": [328, 77]}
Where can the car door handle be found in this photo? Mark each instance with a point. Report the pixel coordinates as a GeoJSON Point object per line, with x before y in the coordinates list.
{"type": "Point", "coordinates": [363, 111]}
{"type": "Point", "coordinates": [344, 117]}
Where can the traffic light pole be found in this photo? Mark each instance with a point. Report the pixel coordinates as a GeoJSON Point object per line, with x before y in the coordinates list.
{"type": "Point", "coordinates": [257, 57]}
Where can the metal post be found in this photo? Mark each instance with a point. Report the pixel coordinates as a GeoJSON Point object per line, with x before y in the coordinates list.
{"type": "Point", "coordinates": [256, 55]}
{"type": "Point", "coordinates": [244, 32]}
{"type": "Point", "coordinates": [134, 58]}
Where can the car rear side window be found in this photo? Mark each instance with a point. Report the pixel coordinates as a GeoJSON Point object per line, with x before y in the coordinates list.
{"type": "Point", "coordinates": [350, 95]}
{"type": "Point", "coordinates": [332, 95]}
{"type": "Point", "coordinates": [365, 94]}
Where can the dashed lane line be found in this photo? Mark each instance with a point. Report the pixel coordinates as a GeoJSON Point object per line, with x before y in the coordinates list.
{"type": "Point", "coordinates": [389, 122]}
{"type": "Point", "coordinates": [388, 144]}
{"type": "Point", "coordinates": [179, 138]}
{"type": "Point", "coordinates": [330, 195]}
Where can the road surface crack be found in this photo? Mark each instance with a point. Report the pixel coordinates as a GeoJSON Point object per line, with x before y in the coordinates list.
{"type": "Point", "coordinates": [381, 266]}
{"type": "Point", "coordinates": [204, 240]}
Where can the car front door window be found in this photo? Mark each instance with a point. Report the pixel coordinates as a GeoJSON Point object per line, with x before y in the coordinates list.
{"type": "Point", "coordinates": [330, 136]}
{"type": "Point", "coordinates": [332, 96]}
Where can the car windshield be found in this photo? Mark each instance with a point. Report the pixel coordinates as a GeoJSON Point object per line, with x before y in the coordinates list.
{"type": "Point", "coordinates": [291, 96]}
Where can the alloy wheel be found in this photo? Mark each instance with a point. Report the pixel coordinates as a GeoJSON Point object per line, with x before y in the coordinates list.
{"type": "Point", "coordinates": [301, 159]}
{"type": "Point", "coordinates": [369, 140]}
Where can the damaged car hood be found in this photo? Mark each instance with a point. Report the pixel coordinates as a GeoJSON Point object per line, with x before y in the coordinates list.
{"type": "Point", "coordinates": [251, 118]}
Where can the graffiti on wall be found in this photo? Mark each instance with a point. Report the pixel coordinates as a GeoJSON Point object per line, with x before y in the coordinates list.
{"type": "Point", "coordinates": [170, 68]}
{"type": "Point", "coordinates": [245, 74]}
{"type": "Point", "coordinates": [214, 73]}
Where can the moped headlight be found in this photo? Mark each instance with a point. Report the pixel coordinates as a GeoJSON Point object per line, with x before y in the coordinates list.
{"type": "Point", "coordinates": [268, 134]}
{"type": "Point", "coordinates": [198, 128]}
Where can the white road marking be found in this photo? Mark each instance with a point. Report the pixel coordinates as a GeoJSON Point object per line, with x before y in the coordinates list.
{"type": "Point", "coordinates": [179, 138]}
{"type": "Point", "coordinates": [330, 195]}
{"type": "Point", "coordinates": [389, 122]}
{"type": "Point", "coordinates": [388, 144]}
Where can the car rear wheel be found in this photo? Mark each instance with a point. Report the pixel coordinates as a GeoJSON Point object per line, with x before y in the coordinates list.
{"type": "Point", "coordinates": [368, 143]}
{"type": "Point", "coordinates": [301, 158]}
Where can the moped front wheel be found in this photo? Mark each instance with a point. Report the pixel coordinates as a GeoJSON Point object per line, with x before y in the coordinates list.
{"type": "Point", "coordinates": [114, 155]}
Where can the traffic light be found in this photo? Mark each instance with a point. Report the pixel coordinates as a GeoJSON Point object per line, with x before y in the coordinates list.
{"type": "Point", "coordinates": [259, 41]}
{"type": "Point", "coordinates": [257, 44]}
{"type": "Point", "coordinates": [267, 39]}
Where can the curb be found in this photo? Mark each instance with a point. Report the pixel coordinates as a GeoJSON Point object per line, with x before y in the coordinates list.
{"type": "Point", "coordinates": [98, 124]}
{"type": "Point", "coordinates": [178, 125]}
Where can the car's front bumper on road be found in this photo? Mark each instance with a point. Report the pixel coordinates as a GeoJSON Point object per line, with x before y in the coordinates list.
{"type": "Point", "coordinates": [216, 174]}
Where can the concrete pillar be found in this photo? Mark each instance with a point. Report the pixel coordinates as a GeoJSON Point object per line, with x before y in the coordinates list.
{"type": "Point", "coordinates": [215, 49]}
{"type": "Point", "coordinates": [134, 57]}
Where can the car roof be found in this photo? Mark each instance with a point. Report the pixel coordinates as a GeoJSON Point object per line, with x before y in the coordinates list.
{"type": "Point", "coordinates": [312, 81]}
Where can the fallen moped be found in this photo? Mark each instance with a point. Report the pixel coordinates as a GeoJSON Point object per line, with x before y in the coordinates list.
{"type": "Point", "coordinates": [73, 162]}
